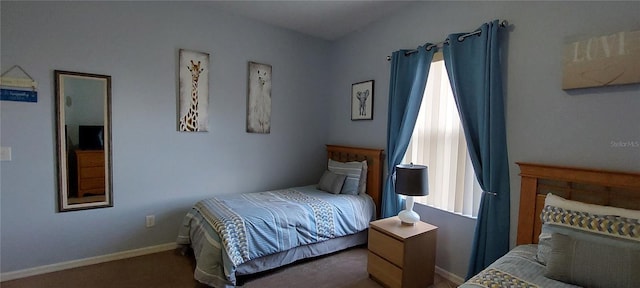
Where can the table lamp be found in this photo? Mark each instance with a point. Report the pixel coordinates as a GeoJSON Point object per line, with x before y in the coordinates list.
{"type": "Point", "coordinates": [411, 180]}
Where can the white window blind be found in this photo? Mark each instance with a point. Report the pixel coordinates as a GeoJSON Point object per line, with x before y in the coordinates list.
{"type": "Point", "coordinates": [438, 141]}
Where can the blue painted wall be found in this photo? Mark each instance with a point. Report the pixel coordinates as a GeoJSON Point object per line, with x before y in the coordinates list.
{"type": "Point", "coordinates": [156, 170]}
{"type": "Point", "coordinates": [544, 123]}
{"type": "Point", "coordinates": [160, 171]}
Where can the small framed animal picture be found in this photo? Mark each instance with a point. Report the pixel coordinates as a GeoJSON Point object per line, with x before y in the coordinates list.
{"type": "Point", "coordinates": [362, 100]}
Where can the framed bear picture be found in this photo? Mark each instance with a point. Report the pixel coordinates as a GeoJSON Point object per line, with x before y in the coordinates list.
{"type": "Point", "coordinates": [259, 98]}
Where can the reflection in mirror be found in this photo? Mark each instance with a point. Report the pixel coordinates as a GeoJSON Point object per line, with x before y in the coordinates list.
{"type": "Point", "coordinates": [83, 106]}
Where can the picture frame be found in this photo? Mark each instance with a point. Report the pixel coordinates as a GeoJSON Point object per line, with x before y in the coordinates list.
{"type": "Point", "coordinates": [193, 91]}
{"type": "Point", "coordinates": [259, 98]}
{"type": "Point", "coordinates": [362, 100]}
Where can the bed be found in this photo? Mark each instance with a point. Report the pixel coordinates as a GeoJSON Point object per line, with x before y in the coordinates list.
{"type": "Point", "coordinates": [576, 228]}
{"type": "Point", "coordinates": [242, 234]}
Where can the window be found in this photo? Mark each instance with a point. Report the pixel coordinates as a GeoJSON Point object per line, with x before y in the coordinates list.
{"type": "Point", "coordinates": [438, 141]}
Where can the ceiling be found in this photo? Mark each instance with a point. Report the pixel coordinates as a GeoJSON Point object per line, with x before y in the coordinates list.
{"type": "Point", "coordinates": [323, 19]}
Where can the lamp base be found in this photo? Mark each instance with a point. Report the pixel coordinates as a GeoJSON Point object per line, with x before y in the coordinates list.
{"type": "Point", "coordinates": [408, 217]}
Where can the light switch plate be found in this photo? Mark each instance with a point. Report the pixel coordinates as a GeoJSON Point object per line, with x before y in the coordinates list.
{"type": "Point", "coordinates": [5, 153]}
{"type": "Point", "coordinates": [151, 220]}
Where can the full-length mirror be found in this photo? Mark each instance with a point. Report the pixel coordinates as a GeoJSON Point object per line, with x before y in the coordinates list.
{"type": "Point", "coordinates": [83, 114]}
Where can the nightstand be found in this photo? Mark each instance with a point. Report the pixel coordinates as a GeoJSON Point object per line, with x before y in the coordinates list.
{"type": "Point", "coordinates": [401, 255]}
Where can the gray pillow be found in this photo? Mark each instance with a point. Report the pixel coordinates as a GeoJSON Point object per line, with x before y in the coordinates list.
{"type": "Point", "coordinates": [592, 264]}
{"type": "Point", "coordinates": [548, 230]}
{"type": "Point", "coordinates": [331, 182]}
{"type": "Point", "coordinates": [353, 172]}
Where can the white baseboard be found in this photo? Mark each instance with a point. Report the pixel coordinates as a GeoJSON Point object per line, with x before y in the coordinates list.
{"type": "Point", "coordinates": [449, 276]}
{"type": "Point", "coordinates": [134, 253]}
{"type": "Point", "coordinates": [86, 261]}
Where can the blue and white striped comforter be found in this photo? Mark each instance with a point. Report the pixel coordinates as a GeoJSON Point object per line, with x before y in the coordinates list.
{"type": "Point", "coordinates": [251, 225]}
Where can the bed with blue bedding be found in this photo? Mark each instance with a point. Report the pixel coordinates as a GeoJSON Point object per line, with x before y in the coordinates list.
{"type": "Point", "coordinates": [576, 228]}
{"type": "Point", "coordinates": [517, 269]}
{"type": "Point", "coordinates": [230, 230]}
{"type": "Point", "coordinates": [246, 233]}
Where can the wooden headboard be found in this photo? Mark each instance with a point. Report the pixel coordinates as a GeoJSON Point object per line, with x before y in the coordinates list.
{"type": "Point", "coordinates": [374, 157]}
{"type": "Point", "coordinates": [619, 189]}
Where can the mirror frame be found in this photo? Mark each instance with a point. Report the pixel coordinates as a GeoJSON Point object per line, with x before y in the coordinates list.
{"type": "Point", "coordinates": [61, 137]}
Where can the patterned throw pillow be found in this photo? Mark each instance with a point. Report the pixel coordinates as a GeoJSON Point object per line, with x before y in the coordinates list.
{"type": "Point", "coordinates": [603, 224]}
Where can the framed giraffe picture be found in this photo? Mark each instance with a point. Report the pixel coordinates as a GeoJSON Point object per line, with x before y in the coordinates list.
{"type": "Point", "coordinates": [259, 98]}
{"type": "Point", "coordinates": [193, 97]}
{"type": "Point", "coordinates": [362, 100]}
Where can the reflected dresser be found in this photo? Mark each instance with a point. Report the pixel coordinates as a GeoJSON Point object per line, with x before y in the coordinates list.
{"type": "Point", "coordinates": [91, 172]}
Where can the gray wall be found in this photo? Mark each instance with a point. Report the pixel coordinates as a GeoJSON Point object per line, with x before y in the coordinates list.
{"type": "Point", "coordinates": [156, 170]}
{"type": "Point", "coordinates": [544, 123]}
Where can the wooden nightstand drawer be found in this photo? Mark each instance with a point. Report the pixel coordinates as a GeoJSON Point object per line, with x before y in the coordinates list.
{"type": "Point", "coordinates": [384, 271]}
{"type": "Point", "coordinates": [386, 247]}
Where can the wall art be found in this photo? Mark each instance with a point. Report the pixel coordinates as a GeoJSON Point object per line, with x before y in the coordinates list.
{"type": "Point", "coordinates": [602, 61]}
{"type": "Point", "coordinates": [362, 100]}
{"type": "Point", "coordinates": [259, 98]}
{"type": "Point", "coordinates": [193, 98]}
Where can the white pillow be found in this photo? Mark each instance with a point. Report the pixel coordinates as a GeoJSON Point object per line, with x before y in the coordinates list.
{"type": "Point", "coordinates": [572, 205]}
{"type": "Point", "coordinates": [362, 188]}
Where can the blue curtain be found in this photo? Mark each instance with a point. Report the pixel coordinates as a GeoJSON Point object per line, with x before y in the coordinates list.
{"type": "Point", "coordinates": [474, 65]}
{"type": "Point", "coordinates": [408, 78]}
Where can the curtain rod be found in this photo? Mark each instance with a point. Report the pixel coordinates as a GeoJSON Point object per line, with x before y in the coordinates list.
{"type": "Point", "coordinates": [503, 24]}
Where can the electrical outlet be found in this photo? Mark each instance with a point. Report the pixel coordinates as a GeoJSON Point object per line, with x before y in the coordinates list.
{"type": "Point", "coordinates": [151, 220]}
{"type": "Point", "coordinates": [5, 153]}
